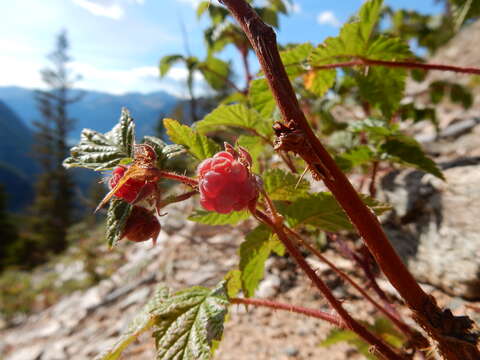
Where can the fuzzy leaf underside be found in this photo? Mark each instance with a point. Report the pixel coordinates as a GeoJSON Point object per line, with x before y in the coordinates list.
{"type": "Point", "coordinates": [189, 324]}
{"type": "Point", "coordinates": [117, 215]}
{"type": "Point", "coordinates": [97, 151]}
{"type": "Point", "coordinates": [197, 144]}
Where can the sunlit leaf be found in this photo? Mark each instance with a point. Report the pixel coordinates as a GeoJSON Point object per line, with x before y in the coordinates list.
{"type": "Point", "coordinates": [197, 144]}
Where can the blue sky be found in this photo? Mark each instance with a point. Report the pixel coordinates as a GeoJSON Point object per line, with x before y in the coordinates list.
{"type": "Point", "coordinates": [116, 44]}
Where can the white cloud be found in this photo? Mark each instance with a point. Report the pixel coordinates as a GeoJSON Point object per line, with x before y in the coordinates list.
{"type": "Point", "coordinates": [109, 10]}
{"type": "Point", "coordinates": [142, 79]}
{"type": "Point", "coordinates": [25, 73]}
{"type": "Point", "coordinates": [294, 8]}
{"type": "Point", "coordinates": [328, 18]}
{"type": "Point", "coordinates": [194, 3]}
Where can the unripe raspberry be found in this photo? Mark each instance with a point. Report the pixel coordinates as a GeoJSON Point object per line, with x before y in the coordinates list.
{"type": "Point", "coordinates": [141, 225]}
{"type": "Point", "coordinates": [225, 183]}
{"type": "Point", "coordinates": [133, 190]}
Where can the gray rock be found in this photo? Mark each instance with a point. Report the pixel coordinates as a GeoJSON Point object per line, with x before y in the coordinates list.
{"type": "Point", "coordinates": [269, 286]}
{"type": "Point", "coordinates": [291, 351]}
{"type": "Point", "coordinates": [435, 226]}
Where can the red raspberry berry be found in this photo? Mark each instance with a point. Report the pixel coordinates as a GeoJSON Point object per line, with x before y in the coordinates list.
{"type": "Point", "coordinates": [225, 184]}
{"type": "Point", "coordinates": [133, 190]}
{"type": "Point", "coordinates": [141, 225]}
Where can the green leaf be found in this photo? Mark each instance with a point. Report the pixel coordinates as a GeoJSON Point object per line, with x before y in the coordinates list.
{"type": "Point", "coordinates": [383, 87]}
{"type": "Point", "coordinates": [461, 95]}
{"type": "Point", "coordinates": [214, 218]}
{"type": "Point", "coordinates": [333, 50]}
{"type": "Point", "coordinates": [254, 251]}
{"type": "Point", "coordinates": [216, 72]}
{"type": "Point", "coordinates": [99, 151]}
{"type": "Point", "coordinates": [295, 58]}
{"type": "Point", "coordinates": [320, 210]}
{"type": "Point", "coordinates": [236, 115]}
{"type": "Point", "coordinates": [282, 185]}
{"type": "Point", "coordinates": [142, 322]}
{"type": "Point", "coordinates": [234, 282]}
{"type": "Point", "coordinates": [338, 335]}
{"type": "Point", "coordinates": [117, 215]}
{"type": "Point", "coordinates": [268, 15]}
{"type": "Point", "coordinates": [202, 7]}
{"type": "Point", "coordinates": [166, 63]}
{"type": "Point", "coordinates": [373, 127]}
{"type": "Point", "coordinates": [382, 327]}
{"type": "Point", "coordinates": [261, 98]}
{"type": "Point", "coordinates": [197, 144]}
{"type": "Point", "coordinates": [407, 150]}
{"type": "Point", "coordinates": [354, 157]}
{"type": "Point", "coordinates": [377, 206]}
{"type": "Point", "coordinates": [190, 322]}
{"type": "Point", "coordinates": [368, 16]}
{"type": "Point", "coordinates": [388, 48]}
{"type": "Point", "coordinates": [320, 81]}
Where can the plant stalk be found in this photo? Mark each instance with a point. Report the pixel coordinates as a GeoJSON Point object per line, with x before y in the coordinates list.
{"type": "Point", "coordinates": [332, 319]}
{"type": "Point", "coordinates": [277, 227]}
{"type": "Point", "coordinates": [452, 334]}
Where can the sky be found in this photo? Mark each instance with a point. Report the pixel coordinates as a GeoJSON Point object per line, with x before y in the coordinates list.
{"type": "Point", "coordinates": [115, 45]}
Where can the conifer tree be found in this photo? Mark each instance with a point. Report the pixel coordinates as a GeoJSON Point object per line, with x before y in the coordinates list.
{"type": "Point", "coordinates": [8, 231]}
{"type": "Point", "coordinates": [54, 188]}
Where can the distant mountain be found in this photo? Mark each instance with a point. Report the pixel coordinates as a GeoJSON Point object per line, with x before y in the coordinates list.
{"type": "Point", "coordinates": [96, 110]}
{"type": "Point", "coordinates": [17, 166]}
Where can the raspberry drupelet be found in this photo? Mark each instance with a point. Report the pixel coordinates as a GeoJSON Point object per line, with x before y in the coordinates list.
{"type": "Point", "coordinates": [225, 183]}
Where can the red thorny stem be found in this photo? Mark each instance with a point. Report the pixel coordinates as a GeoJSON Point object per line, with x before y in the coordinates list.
{"type": "Point", "coordinates": [275, 222]}
{"type": "Point", "coordinates": [452, 334]}
{"type": "Point", "coordinates": [393, 317]}
{"type": "Point", "coordinates": [400, 64]}
{"type": "Point", "coordinates": [183, 179]}
{"type": "Point", "coordinates": [332, 319]}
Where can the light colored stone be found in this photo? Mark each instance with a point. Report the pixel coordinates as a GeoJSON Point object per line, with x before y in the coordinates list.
{"type": "Point", "coordinates": [435, 226]}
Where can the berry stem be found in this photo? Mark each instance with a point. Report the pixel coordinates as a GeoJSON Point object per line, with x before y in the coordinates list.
{"type": "Point", "coordinates": [177, 198]}
{"type": "Point", "coordinates": [332, 319]}
{"type": "Point", "coordinates": [400, 64]}
{"type": "Point", "coordinates": [183, 179]}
